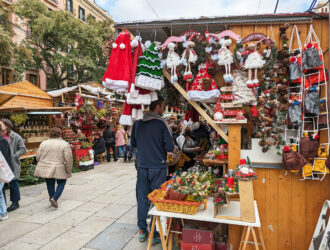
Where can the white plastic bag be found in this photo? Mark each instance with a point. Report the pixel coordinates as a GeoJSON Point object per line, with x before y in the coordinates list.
{"type": "Point", "coordinates": [6, 175]}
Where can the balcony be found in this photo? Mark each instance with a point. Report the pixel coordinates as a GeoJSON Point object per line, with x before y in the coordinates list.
{"type": "Point", "coordinates": [53, 2]}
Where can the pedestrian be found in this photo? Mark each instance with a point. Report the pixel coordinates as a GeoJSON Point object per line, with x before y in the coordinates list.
{"type": "Point", "coordinates": [189, 147]}
{"type": "Point", "coordinates": [152, 137]}
{"type": "Point", "coordinates": [6, 152]}
{"type": "Point", "coordinates": [128, 151]}
{"type": "Point", "coordinates": [120, 140]}
{"type": "Point", "coordinates": [98, 147]}
{"type": "Point", "coordinates": [110, 142]}
{"type": "Point", "coordinates": [17, 148]}
{"type": "Point", "coordinates": [55, 161]}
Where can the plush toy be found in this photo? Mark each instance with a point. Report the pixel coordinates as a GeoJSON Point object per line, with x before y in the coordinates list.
{"type": "Point", "coordinates": [188, 57]}
{"type": "Point", "coordinates": [218, 112]}
{"type": "Point", "coordinates": [172, 61]}
{"type": "Point", "coordinates": [225, 57]}
{"type": "Point", "coordinates": [253, 62]}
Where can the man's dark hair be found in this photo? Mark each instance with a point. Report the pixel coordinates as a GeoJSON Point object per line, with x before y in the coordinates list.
{"type": "Point", "coordinates": [8, 124]}
{"type": "Point", "coordinates": [154, 104]}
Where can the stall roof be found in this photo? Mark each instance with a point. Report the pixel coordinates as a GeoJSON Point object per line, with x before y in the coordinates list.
{"type": "Point", "coordinates": [24, 88]}
{"type": "Point", "coordinates": [36, 109]}
{"type": "Point", "coordinates": [92, 88]}
{"type": "Point", "coordinates": [165, 28]}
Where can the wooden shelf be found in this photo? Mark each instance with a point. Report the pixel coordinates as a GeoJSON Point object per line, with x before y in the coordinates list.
{"type": "Point", "coordinates": [213, 161]}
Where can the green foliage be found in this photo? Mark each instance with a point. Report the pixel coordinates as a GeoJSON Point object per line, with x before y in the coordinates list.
{"type": "Point", "coordinates": [61, 45]}
{"type": "Point", "coordinates": [19, 118]}
{"type": "Point", "coordinates": [27, 173]}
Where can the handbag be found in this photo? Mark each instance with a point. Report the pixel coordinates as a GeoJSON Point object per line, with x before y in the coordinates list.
{"type": "Point", "coordinates": [294, 113]}
{"type": "Point", "coordinates": [310, 57]}
{"type": "Point", "coordinates": [312, 103]}
{"type": "Point", "coordinates": [6, 175]}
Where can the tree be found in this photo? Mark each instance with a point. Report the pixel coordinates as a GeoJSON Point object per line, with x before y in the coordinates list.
{"type": "Point", "coordinates": [6, 44]}
{"type": "Point", "coordinates": [62, 46]}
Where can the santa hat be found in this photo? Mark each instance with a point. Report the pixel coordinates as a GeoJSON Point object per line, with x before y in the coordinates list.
{"type": "Point", "coordinates": [191, 119]}
{"type": "Point", "coordinates": [118, 73]}
{"type": "Point", "coordinates": [286, 149]}
{"type": "Point", "coordinates": [218, 112]}
{"type": "Point", "coordinates": [315, 137]}
{"type": "Point", "coordinates": [149, 72]}
{"type": "Point", "coordinates": [203, 88]}
{"type": "Point", "coordinates": [135, 94]}
{"type": "Point", "coordinates": [126, 116]}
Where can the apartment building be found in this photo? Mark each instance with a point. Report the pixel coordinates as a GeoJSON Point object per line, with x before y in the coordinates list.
{"type": "Point", "coordinates": [79, 8]}
{"type": "Point", "coordinates": [83, 8]}
{"type": "Point", "coordinates": [322, 7]}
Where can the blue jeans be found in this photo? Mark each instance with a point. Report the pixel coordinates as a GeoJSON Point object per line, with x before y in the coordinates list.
{"type": "Point", "coordinates": [3, 206]}
{"type": "Point", "coordinates": [51, 188]}
{"type": "Point", "coordinates": [15, 195]}
{"type": "Point", "coordinates": [148, 180]}
{"type": "Point", "coordinates": [128, 148]}
{"type": "Point", "coordinates": [121, 151]}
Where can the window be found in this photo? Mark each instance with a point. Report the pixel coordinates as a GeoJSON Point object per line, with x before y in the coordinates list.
{"type": "Point", "coordinates": [69, 5]}
{"type": "Point", "coordinates": [33, 78]}
{"type": "Point", "coordinates": [5, 76]}
{"type": "Point", "coordinates": [82, 14]}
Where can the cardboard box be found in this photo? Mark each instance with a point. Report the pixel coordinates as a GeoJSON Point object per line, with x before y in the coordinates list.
{"type": "Point", "coordinates": [195, 246]}
{"type": "Point", "coordinates": [197, 236]}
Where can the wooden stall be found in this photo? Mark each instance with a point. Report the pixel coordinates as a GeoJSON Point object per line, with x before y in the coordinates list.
{"type": "Point", "coordinates": [26, 98]}
{"type": "Point", "coordinates": [288, 206]}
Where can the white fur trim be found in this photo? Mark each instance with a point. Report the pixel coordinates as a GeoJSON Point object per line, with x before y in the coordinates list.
{"type": "Point", "coordinates": [134, 43]}
{"type": "Point", "coordinates": [149, 83]}
{"type": "Point", "coordinates": [154, 96]}
{"type": "Point", "coordinates": [122, 46]}
{"type": "Point", "coordinates": [114, 45]}
{"type": "Point", "coordinates": [115, 84]}
{"type": "Point", "coordinates": [254, 61]}
{"type": "Point", "coordinates": [133, 92]}
{"type": "Point", "coordinates": [126, 120]}
{"type": "Point", "coordinates": [139, 99]}
{"type": "Point", "coordinates": [137, 114]}
{"type": "Point", "coordinates": [147, 44]}
{"type": "Point", "coordinates": [138, 38]}
{"type": "Point", "coordinates": [210, 96]}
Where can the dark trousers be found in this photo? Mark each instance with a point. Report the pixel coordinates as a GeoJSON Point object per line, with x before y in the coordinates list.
{"type": "Point", "coordinates": [96, 153]}
{"type": "Point", "coordinates": [128, 148]}
{"type": "Point", "coordinates": [51, 188]}
{"type": "Point", "coordinates": [148, 180]}
{"type": "Point", "coordinates": [113, 147]}
{"type": "Point", "coordinates": [15, 195]}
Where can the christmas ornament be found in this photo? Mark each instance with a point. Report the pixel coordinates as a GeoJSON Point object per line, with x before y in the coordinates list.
{"type": "Point", "coordinates": [172, 61]}
{"type": "Point", "coordinates": [226, 58]}
{"type": "Point", "coordinates": [253, 62]}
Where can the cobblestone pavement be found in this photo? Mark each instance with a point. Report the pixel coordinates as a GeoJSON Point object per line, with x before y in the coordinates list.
{"type": "Point", "coordinates": [97, 210]}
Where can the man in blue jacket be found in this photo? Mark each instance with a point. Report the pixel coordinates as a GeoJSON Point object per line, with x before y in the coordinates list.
{"type": "Point", "coordinates": [152, 137]}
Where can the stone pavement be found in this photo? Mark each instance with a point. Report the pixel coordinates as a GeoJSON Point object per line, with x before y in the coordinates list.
{"type": "Point", "coordinates": [97, 210]}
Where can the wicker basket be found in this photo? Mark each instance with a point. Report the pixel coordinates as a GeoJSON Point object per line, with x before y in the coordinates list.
{"type": "Point", "coordinates": [185, 207]}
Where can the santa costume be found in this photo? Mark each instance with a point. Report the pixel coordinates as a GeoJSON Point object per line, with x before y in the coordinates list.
{"type": "Point", "coordinates": [118, 73]}
{"type": "Point", "coordinates": [126, 116]}
{"type": "Point", "coordinates": [203, 88]}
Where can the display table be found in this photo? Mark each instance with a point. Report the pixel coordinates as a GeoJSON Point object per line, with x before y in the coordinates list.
{"type": "Point", "coordinates": [208, 215]}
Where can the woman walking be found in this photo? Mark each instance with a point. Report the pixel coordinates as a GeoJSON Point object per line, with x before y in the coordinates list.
{"type": "Point", "coordinates": [17, 148]}
{"type": "Point", "coordinates": [5, 150]}
{"type": "Point", "coordinates": [54, 158]}
{"type": "Point", "coordinates": [120, 140]}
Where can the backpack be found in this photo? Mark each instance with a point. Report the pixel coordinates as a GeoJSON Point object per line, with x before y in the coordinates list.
{"type": "Point", "coordinates": [309, 147]}
{"type": "Point", "coordinates": [292, 160]}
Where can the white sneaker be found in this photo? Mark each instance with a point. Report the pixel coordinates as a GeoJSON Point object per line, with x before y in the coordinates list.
{"type": "Point", "coordinates": [4, 217]}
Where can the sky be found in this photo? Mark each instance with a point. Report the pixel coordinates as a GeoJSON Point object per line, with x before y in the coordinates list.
{"type": "Point", "coordinates": [138, 10]}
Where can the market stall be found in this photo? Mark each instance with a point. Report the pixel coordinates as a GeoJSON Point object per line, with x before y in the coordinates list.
{"type": "Point", "coordinates": [31, 110]}
{"type": "Point", "coordinates": [252, 76]}
{"type": "Point", "coordinates": [93, 107]}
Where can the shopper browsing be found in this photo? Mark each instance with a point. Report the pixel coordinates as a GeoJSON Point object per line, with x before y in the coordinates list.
{"type": "Point", "coordinates": [120, 140]}
{"type": "Point", "coordinates": [152, 138]}
{"type": "Point", "coordinates": [98, 147]}
{"type": "Point", "coordinates": [55, 161]}
{"type": "Point", "coordinates": [110, 142]}
{"type": "Point", "coordinates": [17, 148]}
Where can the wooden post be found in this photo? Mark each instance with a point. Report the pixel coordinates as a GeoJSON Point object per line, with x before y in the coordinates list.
{"type": "Point", "coordinates": [63, 98]}
{"type": "Point", "coordinates": [197, 107]}
{"type": "Point", "coordinates": [234, 145]}
{"type": "Point", "coordinates": [79, 89]}
{"type": "Point", "coordinates": [247, 201]}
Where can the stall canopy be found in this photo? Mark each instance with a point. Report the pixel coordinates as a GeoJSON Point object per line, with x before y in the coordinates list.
{"type": "Point", "coordinates": [25, 96]}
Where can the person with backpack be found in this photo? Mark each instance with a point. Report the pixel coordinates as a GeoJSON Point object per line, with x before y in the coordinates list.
{"type": "Point", "coordinates": [110, 142]}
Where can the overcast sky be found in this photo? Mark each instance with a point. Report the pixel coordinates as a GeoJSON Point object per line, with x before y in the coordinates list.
{"type": "Point", "coordinates": [133, 10]}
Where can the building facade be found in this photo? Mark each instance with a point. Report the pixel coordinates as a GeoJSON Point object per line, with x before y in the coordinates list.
{"type": "Point", "coordinates": [322, 7]}
{"type": "Point", "coordinates": [79, 8]}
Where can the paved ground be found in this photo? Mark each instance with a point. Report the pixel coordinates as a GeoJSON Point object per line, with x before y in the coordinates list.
{"type": "Point", "coordinates": [96, 211]}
